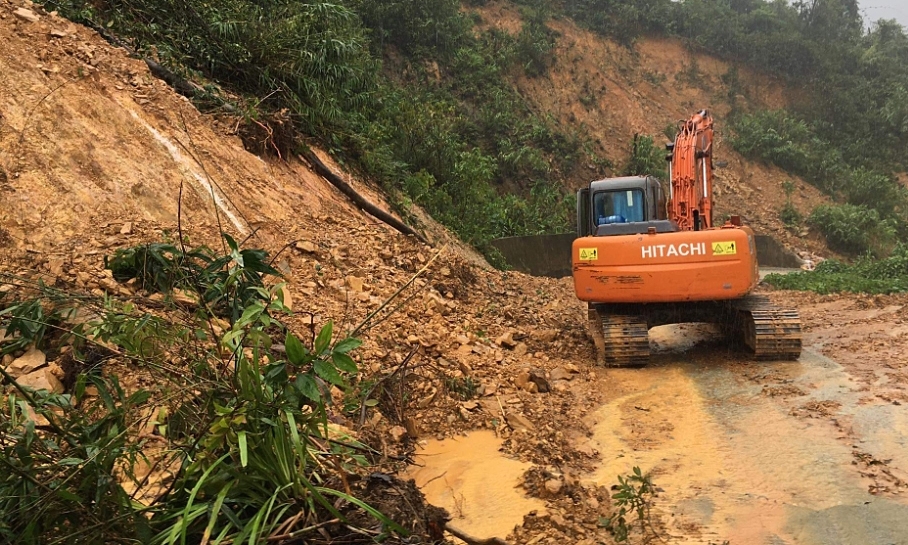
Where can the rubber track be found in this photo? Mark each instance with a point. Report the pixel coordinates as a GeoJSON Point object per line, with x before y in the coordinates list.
{"type": "Point", "coordinates": [772, 333]}
{"type": "Point", "coordinates": [621, 340]}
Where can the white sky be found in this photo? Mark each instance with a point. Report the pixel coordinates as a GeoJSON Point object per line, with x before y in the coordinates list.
{"type": "Point", "coordinates": [874, 10]}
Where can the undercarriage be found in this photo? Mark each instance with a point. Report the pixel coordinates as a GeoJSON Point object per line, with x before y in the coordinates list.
{"type": "Point", "coordinates": [621, 331]}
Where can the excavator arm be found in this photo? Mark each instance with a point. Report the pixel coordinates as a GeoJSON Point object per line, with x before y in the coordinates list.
{"type": "Point", "coordinates": [691, 174]}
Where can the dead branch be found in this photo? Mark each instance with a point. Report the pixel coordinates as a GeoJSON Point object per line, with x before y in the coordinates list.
{"type": "Point", "coordinates": [470, 540]}
{"type": "Point", "coordinates": [322, 170]}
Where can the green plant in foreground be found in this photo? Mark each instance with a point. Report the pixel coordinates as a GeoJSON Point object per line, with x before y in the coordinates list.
{"type": "Point", "coordinates": [247, 454]}
{"type": "Point", "coordinates": [61, 481]}
{"type": "Point", "coordinates": [632, 499]}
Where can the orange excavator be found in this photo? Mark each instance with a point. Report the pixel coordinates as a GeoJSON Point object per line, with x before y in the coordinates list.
{"type": "Point", "coordinates": [641, 260]}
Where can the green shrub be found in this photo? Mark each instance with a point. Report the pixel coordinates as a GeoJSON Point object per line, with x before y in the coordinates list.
{"type": "Point", "coordinates": [867, 275]}
{"type": "Point", "coordinates": [227, 284]}
{"type": "Point", "coordinates": [790, 215]}
{"type": "Point", "coordinates": [853, 230]}
{"type": "Point", "coordinates": [646, 158]}
{"type": "Point", "coordinates": [61, 481]}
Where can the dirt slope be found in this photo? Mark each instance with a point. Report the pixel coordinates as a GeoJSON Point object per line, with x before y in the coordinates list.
{"type": "Point", "coordinates": [614, 93]}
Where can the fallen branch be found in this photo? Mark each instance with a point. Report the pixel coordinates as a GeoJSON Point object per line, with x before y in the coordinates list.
{"type": "Point", "coordinates": [322, 169]}
{"type": "Point", "coordinates": [470, 540]}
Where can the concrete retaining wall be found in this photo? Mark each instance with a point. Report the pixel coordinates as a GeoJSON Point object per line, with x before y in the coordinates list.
{"type": "Point", "coordinates": [550, 255]}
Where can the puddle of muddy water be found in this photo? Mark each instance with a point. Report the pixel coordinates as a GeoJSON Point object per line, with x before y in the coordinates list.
{"type": "Point", "coordinates": [477, 484]}
{"type": "Point", "coordinates": [733, 464]}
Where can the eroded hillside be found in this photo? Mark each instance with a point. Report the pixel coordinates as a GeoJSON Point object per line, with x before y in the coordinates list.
{"type": "Point", "coordinates": [614, 92]}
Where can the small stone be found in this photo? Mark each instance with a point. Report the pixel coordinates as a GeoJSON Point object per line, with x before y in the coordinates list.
{"type": "Point", "coordinates": [29, 362]}
{"type": "Point", "coordinates": [412, 427]}
{"type": "Point", "coordinates": [27, 15]}
{"type": "Point", "coordinates": [538, 377]}
{"type": "Point", "coordinates": [398, 433]}
{"type": "Point", "coordinates": [126, 229]}
{"type": "Point", "coordinates": [521, 379]}
{"type": "Point", "coordinates": [306, 246]}
{"type": "Point", "coordinates": [355, 283]}
{"type": "Point", "coordinates": [506, 340]}
{"type": "Point", "coordinates": [470, 405]}
{"type": "Point", "coordinates": [553, 486]}
{"type": "Point", "coordinates": [520, 349]}
{"type": "Point", "coordinates": [518, 421]}
{"type": "Point", "coordinates": [545, 335]}
{"type": "Point", "coordinates": [559, 522]}
{"type": "Point", "coordinates": [55, 33]}
{"type": "Point", "coordinates": [560, 373]}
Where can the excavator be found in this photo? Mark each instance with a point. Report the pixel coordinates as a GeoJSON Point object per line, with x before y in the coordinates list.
{"type": "Point", "coordinates": [642, 260]}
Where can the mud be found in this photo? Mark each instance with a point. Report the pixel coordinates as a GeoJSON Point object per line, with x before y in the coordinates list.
{"type": "Point", "coordinates": [743, 452]}
{"type": "Point", "coordinates": [475, 483]}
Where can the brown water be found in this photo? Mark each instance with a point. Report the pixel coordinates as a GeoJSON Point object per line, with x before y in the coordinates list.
{"type": "Point", "coordinates": [731, 463]}
{"type": "Point", "coordinates": [476, 483]}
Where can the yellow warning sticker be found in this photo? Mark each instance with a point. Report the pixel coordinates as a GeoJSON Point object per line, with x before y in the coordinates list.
{"type": "Point", "coordinates": [589, 254]}
{"type": "Point", "coordinates": [724, 248]}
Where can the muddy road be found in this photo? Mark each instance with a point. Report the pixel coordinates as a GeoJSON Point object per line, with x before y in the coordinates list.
{"type": "Point", "coordinates": [771, 453]}
{"type": "Point", "coordinates": [744, 452]}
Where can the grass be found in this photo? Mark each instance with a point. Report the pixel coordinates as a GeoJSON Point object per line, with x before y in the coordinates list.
{"type": "Point", "coordinates": [866, 275]}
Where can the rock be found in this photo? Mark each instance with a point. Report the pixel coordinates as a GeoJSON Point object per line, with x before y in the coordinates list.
{"type": "Point", "coordinates": [553, 486]}
{"type": "Point", "coordinates": [56, 371]}
{"type": "Point", "coordinates": [517, 421]}
{"type": "Point", "coordinates": [537, 376]}
{"type": "Point", "coordinates": [531, 387]}
{"type": "Point", "coordinates": [55, 33]}
{"type": "Point", "coordinates": [521, 379]}
{"type": "Point", "coordinates": [470, 405]}
{"type": "Point", "coordinates": [398, 433]}
{"type": "Point", "coordinates": [545, 335]}
{"type": "Point", "coordinates": [27, 15]}
{"type": "Point", "coordinates": [355, 283]}
{"type": "Point", "coordinates": [559, 522]}
{"type": "Point", "coordinates": [42, 379]}
{"type": "Point", "coordinates": [520, 349]}
{"type": "Point", "coordinates": [306, 246]}
{"type": "Point", "coordinates": [506, 340]}
{"type": "Point", "coordinates": [29, 362]}
{"type": "Point", "coordinates": [126, 229]}
{"type": "Point", "coordinates": [560, 373]}
{"type": "Point", "coordinates": [288, 298]}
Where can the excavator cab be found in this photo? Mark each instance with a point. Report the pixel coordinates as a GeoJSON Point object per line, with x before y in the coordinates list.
{"type": "Point", "coordinates": [622, 206]}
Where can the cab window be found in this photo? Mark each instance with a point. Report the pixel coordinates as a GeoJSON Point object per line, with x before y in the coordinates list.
{"type": "Point", "coordinates": [622, 206]}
